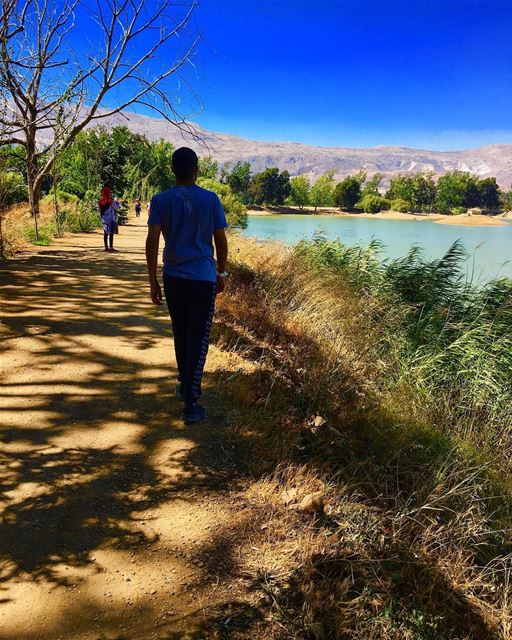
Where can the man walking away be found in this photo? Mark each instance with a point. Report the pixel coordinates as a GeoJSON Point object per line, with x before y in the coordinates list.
{"type": "Point", "coordinates": [190, 219]}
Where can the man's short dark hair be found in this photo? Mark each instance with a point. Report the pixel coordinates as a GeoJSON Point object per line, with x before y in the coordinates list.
{"type": "Point", "coordinates": [184, 163]}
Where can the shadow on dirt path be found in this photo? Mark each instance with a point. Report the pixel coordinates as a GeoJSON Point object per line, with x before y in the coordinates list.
{"type": "Point", "coordinates": [111, 511]}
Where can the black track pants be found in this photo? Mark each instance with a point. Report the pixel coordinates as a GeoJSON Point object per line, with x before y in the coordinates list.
{"type": "Point", "coordinates": [191, 305]}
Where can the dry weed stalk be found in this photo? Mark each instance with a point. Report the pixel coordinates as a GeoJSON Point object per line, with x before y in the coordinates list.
{"type": "Point", "coordinates": [414, 541]}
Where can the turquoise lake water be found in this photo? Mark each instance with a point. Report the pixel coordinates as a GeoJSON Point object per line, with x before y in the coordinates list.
{"type": "Point", "coordinates": [489, 248]}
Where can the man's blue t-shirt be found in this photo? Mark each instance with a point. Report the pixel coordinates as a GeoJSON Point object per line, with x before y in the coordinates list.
{"type": "Point", "coordinates": [188, 216]}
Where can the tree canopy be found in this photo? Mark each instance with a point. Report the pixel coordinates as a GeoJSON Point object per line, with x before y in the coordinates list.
{"type": "Point", "coordinates": [270, 187]}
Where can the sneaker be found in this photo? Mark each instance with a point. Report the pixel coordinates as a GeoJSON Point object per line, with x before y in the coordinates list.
{"type": "Point", "coordinates": [179, 394]}
{"type": "Point", "coordinates": [193, 413]}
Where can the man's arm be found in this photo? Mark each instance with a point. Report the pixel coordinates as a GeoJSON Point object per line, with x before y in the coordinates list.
{"type": "Point", "coordinates": [221, 250]}
{"type": "Point", "coordinates": [152, 242]}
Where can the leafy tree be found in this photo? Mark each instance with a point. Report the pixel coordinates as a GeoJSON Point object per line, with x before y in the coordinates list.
{"type": "Point", "coordinates": [128, 163]}
{"type": "Point", "coordinates": [115, 150]}
{"type": "Point", "coordinates": [149, 170]}
{"type": "Point", "coordinates": [489, 194]}
{"type": "Point", "coordinates": [373, 203]}
{"type": "Point", "coordinates": [239, 179]}
{"type": "Point", "coordinates": [457, 189]}
{"type": "Point", "coordinates": [371, 186]}
{"type": "Point", "coordinates": [506, 200]}
{"type": "Point", "coordinates": [80, 165]}
{"type": "Point", "coordinates": [424, 192]}
{"type": "Point", "coordinates": [208, 168]}
{"type": "Point", "coordinates": [419, 190]}
{"type": "Point", "coordinates": [270, 186]}
{"type": "Point", "coordinates": [401, 187]}
{"type": "Point", "coordinates": [401, 205]}
{"type": "Point", "coordinates": [322, 191]}
{"type": "Point", "coordinates": [299, 191]}
{"type": "Point", "coordinates": [347, 192]}
{"type": "Point", "coordinates": [235, 209]}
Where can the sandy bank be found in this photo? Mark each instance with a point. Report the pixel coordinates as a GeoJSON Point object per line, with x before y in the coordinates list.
{"type": "Point", "coordinates": [461, 220]}
{"type": "Point", "coordinates": [473, 221]}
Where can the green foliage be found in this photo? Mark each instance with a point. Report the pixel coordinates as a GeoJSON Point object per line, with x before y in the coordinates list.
{"type": "Point", "coordinates": [149, 170]}
{"type": "Point", "coordinates": [457, 189]}
{"type": "Point", "coordinates": [299, 191]}
{"type": "Point", "coordinates": [457, 211]}
{"type": "Point", "coordinates": [401, 205]}
{"type": "Point", "coordinates": [373, 203]}
{"type": "Point", "coordinates": [270, 187]}
{"type": "Point", "coordinates": [235, 209]}
{"type": "Point", "coordinates": [46, 233]}
{"type": "Point", "coordinates": [419, 190]}
{"type": "Point", "coordinates": [122, 214]}
{"type": "Point", "coordinates": [489, 194]}
{"type": "Point", "coordinates": [322, 191]}
{"type": "Point", "coordinates": [452, 340]}
{"type": "Point", "coordinates": [128, 163]}
{"type": "Point", "coordinates": [208, 168]}
{"type": "Point", "coordinates": [348, 192]}
{"type": "Point", "coordinates": [115, 150]}
{"type": "Point", "coordinates": [506, 200]}
{"type": "Point", "coordinates": [85, 218]}
{"type": "Point", "coordinates": [67, 198]}
{"type": "Point", "coordinates": [64, 198]}
{"type": "Point", "coordinates": [239, 180]}
{"type": "Point", "coordinates": [371, 185]}
{"type": "Point", "coordinates": [13, 159]}
{"type": "Point", "coordinates": [12, 188]}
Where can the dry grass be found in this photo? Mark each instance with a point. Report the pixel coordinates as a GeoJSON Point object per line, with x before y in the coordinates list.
{"type": "Point", "coordinates": [15, 223]}
{"type": "Point", "coordinates": [411, 540]}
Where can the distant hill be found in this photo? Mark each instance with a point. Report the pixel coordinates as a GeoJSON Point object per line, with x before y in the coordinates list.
{"type": "Point", "coordinates": [492, 160]}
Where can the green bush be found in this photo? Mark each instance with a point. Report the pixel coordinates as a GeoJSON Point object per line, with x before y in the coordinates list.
{"type": "Point", "coordinates": [85, 218]}
{"type": "Point", "coordinates": [63, 197]}
{"type": "Point", "coordinates": [82, 221]}
{"type": "Point", "coordinates": [373, 203]}
{"type": "Point", "coordinates": [12, 188]}
{"type": "Point", "coordinates": [46, 233]}
{"type": "Point", "coordinates": [457, 211]}
{"type": "Point", "coordinates": [235, 209]}
{"type": "Point", "coordinates": [401, 205]}
{"type": "Point", "coordinates": [122, 214]}
{"type": "Point", "coordinates": [67, 198]}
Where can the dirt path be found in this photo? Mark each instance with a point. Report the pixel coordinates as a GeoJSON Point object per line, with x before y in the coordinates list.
{"type": "Point", "coordinates": [116, 521]}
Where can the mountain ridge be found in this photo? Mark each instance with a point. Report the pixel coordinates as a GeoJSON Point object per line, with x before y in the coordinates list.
{"type": "Point", "coordinates": [493, 160]}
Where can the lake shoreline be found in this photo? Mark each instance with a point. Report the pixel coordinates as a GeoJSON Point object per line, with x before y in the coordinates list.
{"type": "Point", "coordinates": [439, 218]}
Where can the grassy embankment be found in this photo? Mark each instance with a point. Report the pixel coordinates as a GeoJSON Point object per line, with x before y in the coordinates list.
{"type": "Point", "coordinates": [18, 228]}
{"type": "Point", "coordinates": [385, 393]}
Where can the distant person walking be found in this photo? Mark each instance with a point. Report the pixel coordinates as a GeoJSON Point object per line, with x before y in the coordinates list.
{"type": "Point", "coordinates": [108, 218]}
{"type": "Point", "coordinates": [191, 220]}
{"type": "Point", "coordinates": [138, 209]}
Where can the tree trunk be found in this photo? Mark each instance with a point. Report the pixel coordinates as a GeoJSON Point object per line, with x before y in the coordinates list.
{"type": "Point", "coordinates": [56, 210]}
{"type": "Point", "coordinates": [33, 184]}
{"type": "Point", "coordinates": [2, 249]}
{"type": "Point", "coordinates": [34, 195]}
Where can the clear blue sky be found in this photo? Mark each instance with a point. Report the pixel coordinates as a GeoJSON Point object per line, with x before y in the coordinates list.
{"type": "Point", "coordinates": [422, 73]}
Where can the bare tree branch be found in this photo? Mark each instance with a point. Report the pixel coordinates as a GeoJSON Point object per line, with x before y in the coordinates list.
{"type": "Point", "coordinates": [50, 87]}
